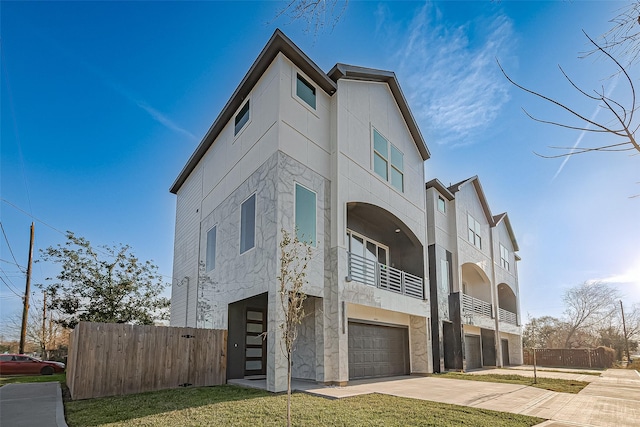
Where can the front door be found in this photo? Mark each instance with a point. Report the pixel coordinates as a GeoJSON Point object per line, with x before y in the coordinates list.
{"type": "Point", "coordinates": [505, 352]}
{"type": "Point", "coordinates": [255, 359]}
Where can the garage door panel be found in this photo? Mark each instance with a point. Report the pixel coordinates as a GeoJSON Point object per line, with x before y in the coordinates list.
{"type": "Point", "coordinates": [377, 351]}
{"type": "Point", "coordinates": [473, 352]}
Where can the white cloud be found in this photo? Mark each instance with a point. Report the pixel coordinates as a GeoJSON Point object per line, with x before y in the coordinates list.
{"type": "Point", "coordinates": [628, 282]}
{"type": "Point", "coordinates": [451, 81]}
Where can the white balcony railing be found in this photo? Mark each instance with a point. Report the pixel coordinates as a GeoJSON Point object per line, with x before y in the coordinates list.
{"type": "Point", "coordinates": [474, 305]}
{"type": "Point", "coordinates": [382, 276]}
{"type": "Point", "coordinates": [507, 316]}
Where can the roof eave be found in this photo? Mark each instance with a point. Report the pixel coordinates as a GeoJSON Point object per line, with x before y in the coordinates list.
{"type": "Point", "coordinates": [369, 74]}
{"type": "Point", "coordinates": [505, 217]}
{"type": "Point", "coordinates": [439, 186]}
{"type": "Point", "coordinates": [276, 44]}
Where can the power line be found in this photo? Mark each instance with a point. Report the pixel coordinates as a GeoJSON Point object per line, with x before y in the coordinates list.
{"type": "Point", "coordinates": [8, 244]}
{"type": "Point", "coordinates": [97, 248]}
{"type": "Point", "coordinates": [9, 287]}
{"type": "Point", "coordinates": [33, 217]}
{"type": "Point", "coordinates": [13, 263]}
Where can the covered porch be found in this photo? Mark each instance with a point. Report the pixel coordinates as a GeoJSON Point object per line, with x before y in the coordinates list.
{"type": "Point", "coordinates": [383, 252]}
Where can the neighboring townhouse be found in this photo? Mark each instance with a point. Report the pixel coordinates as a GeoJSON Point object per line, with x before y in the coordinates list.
{"type": "Point", "coordinates": [474, 280]}
{"type": "Point", "coordinates": [339, 157]}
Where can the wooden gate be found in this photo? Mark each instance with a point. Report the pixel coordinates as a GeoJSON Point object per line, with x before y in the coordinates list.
{"type": "Point", "coordinates": [109, 359]}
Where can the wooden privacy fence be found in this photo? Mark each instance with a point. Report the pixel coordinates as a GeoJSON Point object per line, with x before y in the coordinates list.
{"type": "Point", "coordinates": [601, 357]}
{"type": "Point", "coordinates": [108, 359]}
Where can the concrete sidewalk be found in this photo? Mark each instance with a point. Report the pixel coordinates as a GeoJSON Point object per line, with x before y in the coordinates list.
{"type": "Point", "coordinates": [32, 405]}
{"type": "Point", "coordinates": [611, 400]}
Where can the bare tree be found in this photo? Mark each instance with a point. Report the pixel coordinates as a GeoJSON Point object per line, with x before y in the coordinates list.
{"type": "Point", "coordinates": [318, 14]}
{"type": "Point", "coordinates": [620, 122]}
{"type": "Point", "coordinates": [623, 38]}
{"type": "Point", "coordinates": [621, 47]}
{"type": "Point", "coordinates": [544, 332]}
{"type": "Point", "coordinates": [587, 305]}
{"type": "Point", "coordinates": [46, 334]}
{"type": "Point", "coordinates": [294, 260]}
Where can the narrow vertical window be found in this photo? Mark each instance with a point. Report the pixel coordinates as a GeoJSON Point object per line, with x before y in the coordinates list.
{"type": "Point", "coordinates": [444, 267]}
{"type": "Point", "coordinates": [474, 232]}
{"type": "Point", "coordinates": [442, 206]}
{"type": "Point", "coordinates": [248, 224]}
{"type": "Point", "coordinates": [211, 249]}
{"type": "Point", "coordinates": [241, 118]}
{"type": "Point", "coordinates": [397, 168]}
{"type": "Point", "coordinates": [380, 155]}
{"type": "Point", "coordinates": [305, 215]}
{"type": "Point", "coordinates": [504, 257]}
{"type": "Point", "coordinates": [306, 91]}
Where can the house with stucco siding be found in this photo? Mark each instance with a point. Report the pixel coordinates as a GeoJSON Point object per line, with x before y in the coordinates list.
{"type": "Point", "coordinates": [339, 158]}
{"type": "Point", "coordinates": [473, 271]}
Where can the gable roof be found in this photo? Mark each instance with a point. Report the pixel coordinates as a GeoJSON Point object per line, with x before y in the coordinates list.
{"type": "Point", "coordinates": [340, 71]}
{"type": "Point", "coordinates": [493, 220]}
{"type": "Point", "coordinates": [276, 44]}
{"type": "Point", "coordinates": [504, 217]}
{"type": "Point", "coordinates": [279, 43]}
{"type": "Point", "coordinates": [483, 200]}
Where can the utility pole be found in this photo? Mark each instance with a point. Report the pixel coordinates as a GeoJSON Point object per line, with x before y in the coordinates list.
{"type": "Point", "coordinates": [44, 325]}
{"type": "Point", "coordinates": [533, 349]}
{"type": "Point", "coordinates": [25, 311]}
{"type": "Point", "coordinates": [624, 328]}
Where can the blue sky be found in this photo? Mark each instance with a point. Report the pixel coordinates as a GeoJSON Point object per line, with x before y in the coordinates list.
{"type": "Point", "coordinates": [103, 103]}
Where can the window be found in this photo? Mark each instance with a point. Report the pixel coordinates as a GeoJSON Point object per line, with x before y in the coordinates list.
{"type": "Point", "coordinates": [444, 267]}
{"type": "Point", "coordinates": [305, 215]}
{"type": "Point", "coordinates": [365, 247]}
{"type": "Point", "coordinates": [248, 224]}
{"type": "Point", "coordinates": [474, 232]}
{"type": "Point", "coordinates": [306, 91]}
{"type": "Point", "coordinates": [388, 161]}
{"type": "Point", "coordinates": [211, 250]}
{"type": "Point", "coordinates": [242, 118]}
{"type": "Point", "coordinates": [504, 257]}
{"type": "Point", "coordinates": [442, 205]}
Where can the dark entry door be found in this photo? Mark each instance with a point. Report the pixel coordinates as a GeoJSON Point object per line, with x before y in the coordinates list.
{"type": "Point", "coordinates": [488, 347]}
{"type": "Point", "coordinates": [255, 360]}
{"type": "Point", "coordinates": [377, 351]}
{"type": "Point", "coordinates": [505, 352]}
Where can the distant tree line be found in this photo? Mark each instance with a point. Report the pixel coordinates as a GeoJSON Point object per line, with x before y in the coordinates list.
{"type": "Point", "coordinates": [592, 318]}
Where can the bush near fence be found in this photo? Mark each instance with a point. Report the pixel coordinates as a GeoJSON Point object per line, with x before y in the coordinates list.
{"type": "Point", "coordinates": [109, 359]}
{"type": "Point", "coordinates": [601, 357]}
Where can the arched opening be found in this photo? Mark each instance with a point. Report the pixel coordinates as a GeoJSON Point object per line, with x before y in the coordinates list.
{"type": "Point", "coordinates": [476, 291]}
{"type": "Point", "coordinates": [507, 303]}
{"type": "Point", "coordinates": [383, 250]}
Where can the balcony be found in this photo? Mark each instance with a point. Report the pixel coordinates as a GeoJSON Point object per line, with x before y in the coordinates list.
{"type": "Point", "coordinates": [382, 276]}
{"type": "Point", "coordinates": [471, 305]}
{"type": "Point", "coordinates": [507, 316]}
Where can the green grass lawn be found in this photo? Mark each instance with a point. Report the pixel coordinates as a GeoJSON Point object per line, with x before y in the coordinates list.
{"type": "Point", "coordinates": [235, 406]}
{"type": "Point", "coordinates": [32, 379]}
{"type": "Point", "coordinates": [552, 384]}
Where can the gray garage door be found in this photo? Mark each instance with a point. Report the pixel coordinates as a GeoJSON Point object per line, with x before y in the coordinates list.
{"type": "Point", "coordinates": [472, 351]}
{"type": "Point", "coordinates": [377, 351]}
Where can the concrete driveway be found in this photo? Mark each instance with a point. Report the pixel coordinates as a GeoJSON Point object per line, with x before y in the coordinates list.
{"type": "Point", "coordinates": [613, 399]}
